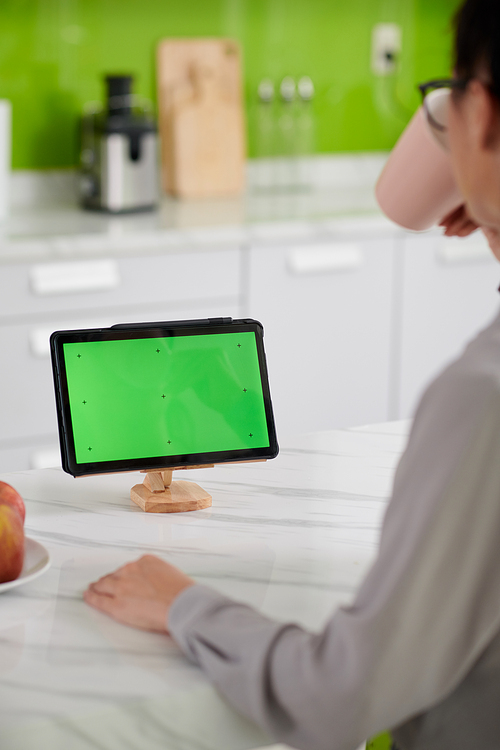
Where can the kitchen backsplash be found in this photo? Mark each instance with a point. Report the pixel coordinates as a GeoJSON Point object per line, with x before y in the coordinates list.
{"type": "Point", "coordinates": [53, 54]}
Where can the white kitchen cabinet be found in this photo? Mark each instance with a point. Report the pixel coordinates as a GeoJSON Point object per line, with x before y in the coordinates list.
{"type": "Point", "coordinates": [326, 308]}
{"type": "Point", "coordinates": [447, 293]}
{"type": "Point", "coordinates": [358, 316]}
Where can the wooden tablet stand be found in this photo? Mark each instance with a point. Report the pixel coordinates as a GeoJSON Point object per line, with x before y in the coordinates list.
{"type": "Point", "coordinates": [159, 494]}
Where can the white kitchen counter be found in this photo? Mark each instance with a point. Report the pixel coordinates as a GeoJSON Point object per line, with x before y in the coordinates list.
{"type": "Point", "coordinates": [45, 222]}
{"type": "Point", "coordinates": [292, 537]}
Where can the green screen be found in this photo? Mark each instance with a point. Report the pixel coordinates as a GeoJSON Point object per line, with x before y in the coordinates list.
{"type": "Point", "coordinates": [170, 396]}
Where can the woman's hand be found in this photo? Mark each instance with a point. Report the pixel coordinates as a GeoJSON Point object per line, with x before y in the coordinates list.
{"type": "Point", "coordinates": [458, 223]}
{"type": "Point", "coordinates": [140, 593]}
{"type": "Point", "coordinates": [493, 237]}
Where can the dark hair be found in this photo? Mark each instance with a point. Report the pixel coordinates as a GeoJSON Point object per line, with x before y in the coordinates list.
{"type": "Point", "coordinates": [477, 40]}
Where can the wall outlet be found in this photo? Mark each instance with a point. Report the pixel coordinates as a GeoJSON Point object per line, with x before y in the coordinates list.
{"type": "Point", "coordinates": [386, 48]}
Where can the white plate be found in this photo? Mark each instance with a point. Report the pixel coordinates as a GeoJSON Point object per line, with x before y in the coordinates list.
{"type": "Point", "coordinates": [36, 562]}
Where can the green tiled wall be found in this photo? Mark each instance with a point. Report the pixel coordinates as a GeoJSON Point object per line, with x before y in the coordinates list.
{"type": "Point", "coordinates": [53, 54]}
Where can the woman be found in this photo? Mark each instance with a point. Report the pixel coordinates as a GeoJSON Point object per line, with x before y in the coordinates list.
{"type": "Point", "coordinates": [419, 649]}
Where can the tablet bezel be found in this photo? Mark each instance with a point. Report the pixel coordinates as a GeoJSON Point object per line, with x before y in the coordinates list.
{"type": "Point", "coordinates": [154, 330]}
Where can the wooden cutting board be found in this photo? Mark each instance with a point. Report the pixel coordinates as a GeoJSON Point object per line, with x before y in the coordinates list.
{"type": "Point", "coordinates": [201, 117]}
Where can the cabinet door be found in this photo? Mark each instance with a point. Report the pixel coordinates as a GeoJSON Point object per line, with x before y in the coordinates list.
{"type": "Point", "coordinates": [448, 293]}
{"type": "Point", "coordinates": [326, 311]}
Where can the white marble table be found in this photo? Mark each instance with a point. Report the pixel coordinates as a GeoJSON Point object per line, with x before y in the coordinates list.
{"type": "Point", "coordinates": [292, 537]}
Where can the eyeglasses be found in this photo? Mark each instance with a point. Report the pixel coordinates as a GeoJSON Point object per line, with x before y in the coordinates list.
{"type": "Point", "coordinates": [435, 96]}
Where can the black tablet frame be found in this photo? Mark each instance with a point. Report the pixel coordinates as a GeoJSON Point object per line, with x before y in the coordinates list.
{"type": "Point", "coordinates": [153, 330]}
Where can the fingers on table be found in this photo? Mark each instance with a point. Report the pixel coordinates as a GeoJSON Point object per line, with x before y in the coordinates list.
{"type": "Point", "coordinates": [110, 583]}
{"type": "Point", "coordinates": [107, 585]}
{"type": "Point", "coordinates": [103, 602]}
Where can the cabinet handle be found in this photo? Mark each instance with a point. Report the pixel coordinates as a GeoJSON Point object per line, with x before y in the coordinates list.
{"type": "Point", "coordinates": [464, 251]}
{"type": "Point", "coordinates": [325, 258]}
{"type": "Point", "coordinates": [74, 276]}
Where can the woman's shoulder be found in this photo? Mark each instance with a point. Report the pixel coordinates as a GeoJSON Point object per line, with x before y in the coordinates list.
{"type": "Point", "coordinates": [475, 373]}
{"type": "Point", "coordinates": [467, 391]}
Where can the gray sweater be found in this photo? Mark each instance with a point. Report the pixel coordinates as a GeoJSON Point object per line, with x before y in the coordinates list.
{"type": "Point", "coordinates": [419, 649]}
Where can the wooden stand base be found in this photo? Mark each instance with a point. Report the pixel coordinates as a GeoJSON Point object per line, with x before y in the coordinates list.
{"type": "Point", "coordinates": [159, 494]}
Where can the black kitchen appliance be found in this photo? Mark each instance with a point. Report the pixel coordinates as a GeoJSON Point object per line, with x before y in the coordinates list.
{"type": "Point", "coordinates": [119, 157]}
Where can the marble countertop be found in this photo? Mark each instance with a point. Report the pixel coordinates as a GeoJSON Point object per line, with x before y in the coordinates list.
{"type": "Point", "coordinates": [292, 537]}
{"type": "Point", "coordinates": [69, 233]}
{"type": "Point", "coordinates": [336, 200]}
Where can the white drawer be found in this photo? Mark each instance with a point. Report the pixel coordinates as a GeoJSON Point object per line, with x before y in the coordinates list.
{"type": "Point", "coordinates": [326, 309]}
{"type": "Point", "coordinates": [98, 283]}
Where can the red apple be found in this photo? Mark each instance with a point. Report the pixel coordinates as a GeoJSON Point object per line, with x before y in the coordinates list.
{"type": "Point", "coordinates": [11, 543]}
{"type": "Point", "coordinates": [10, 496]}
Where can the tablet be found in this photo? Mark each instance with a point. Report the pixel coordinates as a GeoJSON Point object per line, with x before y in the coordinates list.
{"type": "Point", "coordinates": [156, 395]}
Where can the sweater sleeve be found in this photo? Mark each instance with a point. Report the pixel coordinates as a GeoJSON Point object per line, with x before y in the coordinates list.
{"type": "Point", "coordinates": [426, 610]}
